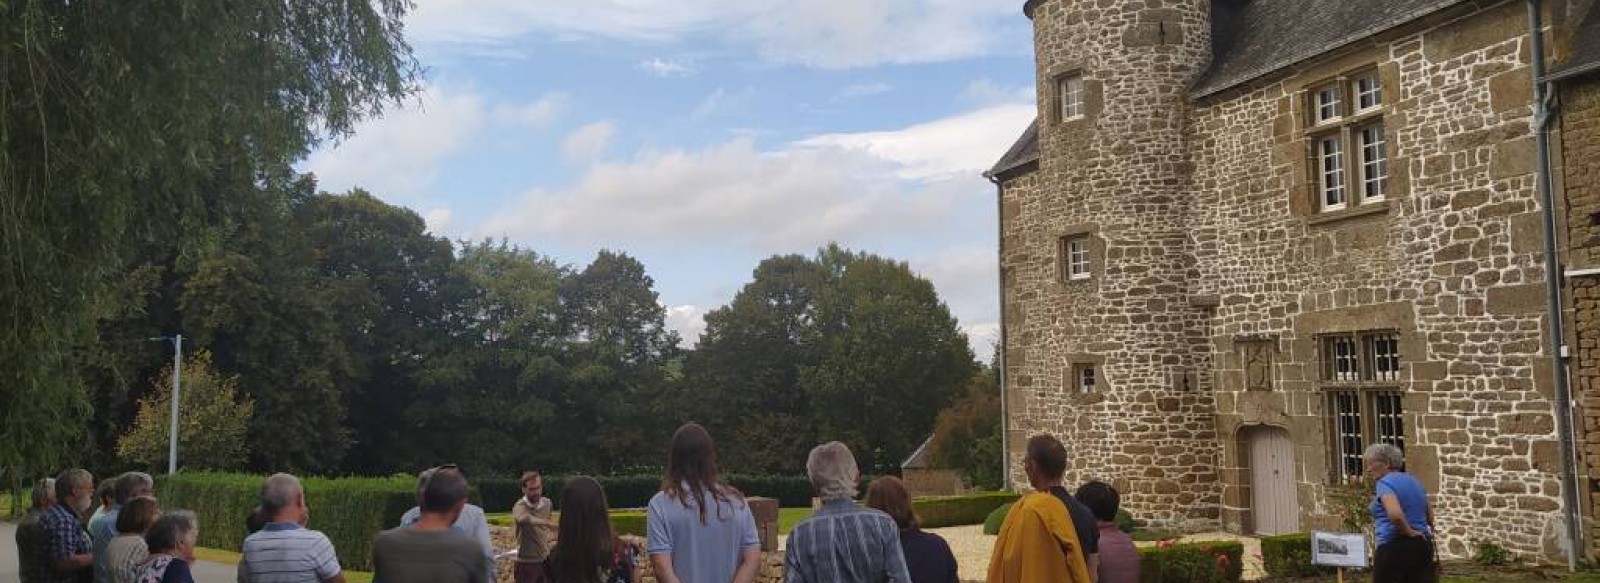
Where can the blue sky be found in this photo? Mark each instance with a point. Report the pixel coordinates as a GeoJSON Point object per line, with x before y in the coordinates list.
{"type": "Point", "coordinates": [702, 136]}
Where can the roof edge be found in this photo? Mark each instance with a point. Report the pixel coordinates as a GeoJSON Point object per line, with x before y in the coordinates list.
{"type": "Point", "coordinates": [1202, 92]}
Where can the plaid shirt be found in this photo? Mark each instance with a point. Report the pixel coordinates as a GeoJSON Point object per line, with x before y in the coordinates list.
{"type": "Point", "coordinates": [63, 536]}
{"type": "Point", "coordinates": [845, 543]}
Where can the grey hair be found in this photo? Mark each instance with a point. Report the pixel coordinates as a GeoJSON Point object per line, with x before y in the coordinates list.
{"type": "Point", "coordinates": [832, 469]}
{"type": "Point", "coordinates": [70, 479]}
{"type": "Point", "coordinates": [133, 485]}
{"type": "Point", "coordinates": [44, 491]}
{"type": "Point", "coordinates": [1389, 455]}
{"type": "Point", "coordinates": [278, 493]}
{"type": "Point", "coordinates": [169, 530]}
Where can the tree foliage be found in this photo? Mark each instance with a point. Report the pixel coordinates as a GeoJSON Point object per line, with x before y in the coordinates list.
{"type": "Point", "coordinates": [120, 124]}
{"type": "Point", "coordinates": [842, 345]}
{"type": "Point", "coordinates": [967, 435]}
{"type": "Point", "coordinates": [213, 421]}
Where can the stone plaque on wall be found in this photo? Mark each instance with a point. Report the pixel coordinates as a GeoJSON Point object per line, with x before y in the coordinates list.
{"type": "Point", "coordinates": [1256, 356]}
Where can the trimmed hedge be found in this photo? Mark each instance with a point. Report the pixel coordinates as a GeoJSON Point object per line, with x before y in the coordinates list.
{"type": "Point", "coordinates": [937, 512]}
{"type": "Point", "coordinates": [1201, 562]}
{"type": "Point", "coordinates": [1289, 555]}
{"type": "Point", "coordinates": [350, 511]}
{"type": "Point", "coordinates": [499, 494]}
{"type": "Point", "coordinates": [991, 524]}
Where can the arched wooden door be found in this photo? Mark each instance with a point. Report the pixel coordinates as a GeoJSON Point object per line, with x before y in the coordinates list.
{"type": "Point", "coordinates": [1274, 499]}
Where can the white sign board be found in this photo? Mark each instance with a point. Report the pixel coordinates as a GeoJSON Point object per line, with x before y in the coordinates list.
{"type": "Point", "coordinates": [1338, 549]}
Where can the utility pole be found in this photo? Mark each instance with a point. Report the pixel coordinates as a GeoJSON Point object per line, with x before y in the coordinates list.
{"type": "Point", "coordinates": [177, 381]}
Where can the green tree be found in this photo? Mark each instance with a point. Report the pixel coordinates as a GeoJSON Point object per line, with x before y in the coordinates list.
{"type": "Point", "coordinates": [213, 421]}
{"type": "Point", "coordinates": [118, 124]}
{"type": "Point", "coordinates": [618, 358]}
{"type": "Point", "coordinates": [847, 346]}
{"type": "Point", "coordinates": [967, 434]}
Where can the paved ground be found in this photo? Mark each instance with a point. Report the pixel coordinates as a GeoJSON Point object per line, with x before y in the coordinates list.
{"type": "Point", "coordinates": [204, 572]}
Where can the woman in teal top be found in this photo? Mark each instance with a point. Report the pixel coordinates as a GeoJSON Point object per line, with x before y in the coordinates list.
{"type": "Point", "coordinates": [1402, 517]}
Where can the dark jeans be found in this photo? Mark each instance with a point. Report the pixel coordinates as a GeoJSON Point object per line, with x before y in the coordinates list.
{"type": "Point", "coordinates": [1404, 560]}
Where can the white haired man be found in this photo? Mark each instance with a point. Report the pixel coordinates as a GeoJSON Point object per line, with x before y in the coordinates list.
{"type": "Point", "coordinates": [285, 551]}
{"type": "Point", "coordinates": [30, 536]}
{"type": "Point", "coordinates": [842, 542]}
{"type": "Point", "coordinates": [66, 557]}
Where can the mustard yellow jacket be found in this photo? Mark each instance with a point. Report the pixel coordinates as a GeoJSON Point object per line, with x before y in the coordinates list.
{"type": "Point", "coordinates": [1037, 544]}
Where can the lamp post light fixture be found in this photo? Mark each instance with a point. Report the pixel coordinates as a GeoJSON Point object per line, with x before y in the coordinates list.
{"type": "Point", "coordinates": [177, 380]}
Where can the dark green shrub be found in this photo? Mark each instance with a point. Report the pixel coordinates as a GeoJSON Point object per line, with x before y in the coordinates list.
{"type": "Point", "coordinates": [350, 511]}
{"type": "Point", "coordinates": [991, 524]}
{"type": "Point", "coordinates": [1203, 562]}
{"type": "Point", "coordinates": [1289, 555]}
{"type": "Point", "coordinates": [1125, 521]}
{"type": "Point", "coordinates": [1489, 554]}
{"type": "Point", "coordinates": [959, 510]}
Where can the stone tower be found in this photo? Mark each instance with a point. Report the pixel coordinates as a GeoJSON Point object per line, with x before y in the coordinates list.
{"type": "Point", "coordinates": [1108, 348]}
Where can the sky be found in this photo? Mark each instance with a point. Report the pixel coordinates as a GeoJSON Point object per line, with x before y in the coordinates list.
{"type": "Point", "coordinates": [702, 136]}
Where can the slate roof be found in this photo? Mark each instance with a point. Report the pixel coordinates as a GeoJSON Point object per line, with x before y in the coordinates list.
{"type": "Point", "coordinates": [1022, 153]}
{"type": "Point", "coordinates": [1251, 38]}
{"type": "Point", "coordinates": [1584, 54]}
{"type": "Point", "coordinates": [922, 459]}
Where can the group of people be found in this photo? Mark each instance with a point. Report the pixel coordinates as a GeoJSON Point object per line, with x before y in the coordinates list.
{"type": "Point", "coordinates": [127, 539]}
{"type": "Point", "coordinates": [699, 530]}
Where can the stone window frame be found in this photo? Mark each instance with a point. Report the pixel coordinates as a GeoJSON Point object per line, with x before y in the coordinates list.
{"type": "Point", "coordinates": [1088, 234]}
{"type": "Point", "coordinates": [1090, 101]}
{"type": "Point", "coordinates": [1076, 363]}
{"type": "Point", "coordinates": [1069, 96]}
{"type": "Point", "coordinates": [1343, 123]}
{"type": "Point", "coordinates": [1360, 378]}
{"type": "Point", "coordinates": [1086, 371]}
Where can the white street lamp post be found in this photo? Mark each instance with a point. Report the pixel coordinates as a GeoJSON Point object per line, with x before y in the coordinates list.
{"type": "Point", "coordinates": [177, 381]}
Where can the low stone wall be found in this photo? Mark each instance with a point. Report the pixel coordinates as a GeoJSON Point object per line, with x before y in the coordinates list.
{"type": "Point", "coordinates": [506, 538]}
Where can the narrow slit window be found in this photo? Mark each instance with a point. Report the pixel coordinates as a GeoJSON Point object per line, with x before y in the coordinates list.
{"type": "Point", "coordinates": [1330, 153]}
{"type": "Point", "coordinates": [1374, 163]}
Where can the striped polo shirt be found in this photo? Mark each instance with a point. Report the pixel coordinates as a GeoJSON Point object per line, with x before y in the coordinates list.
{"type": "Point", "coordinates": [845, 543]}
{"type": "Point", "coordinates": [283, 552]}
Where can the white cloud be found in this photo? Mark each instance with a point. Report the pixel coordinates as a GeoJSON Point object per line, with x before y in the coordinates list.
{"type": "Point", "coordinates": [397, 156]}
{"type": "Point", "coordinates": [587, 143]}
{"type": "Point", "coordinates": [796, 197]}
{"type": "Point", "coordinates": [668, 68]}
{"type": "Point", "coordinates": [960, 145]}
{"type": "Point", "coordinates": [437, 219]}
{"type": "Point", "coordinates": [862, 90]}
{"type": "Point", "coordinates": [821, 33]}
{"type": "Point", "coordinates": [722, 102]}
{"type": "Point", "coordinates": [689, 321]}
{"type": "Point", "coordinates": [967, 278]}
{"type": "Point", "coordinates": [986, 92]}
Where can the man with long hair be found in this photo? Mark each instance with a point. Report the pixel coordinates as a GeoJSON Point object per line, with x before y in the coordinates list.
{"type": "Point", "coordinates": [700, 529]}
{"type": "Point", "coordinates": [588, 551]}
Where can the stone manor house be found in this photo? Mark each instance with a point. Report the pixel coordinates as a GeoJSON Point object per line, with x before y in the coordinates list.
{"type": "Point", "coordinates": [1244, 239]}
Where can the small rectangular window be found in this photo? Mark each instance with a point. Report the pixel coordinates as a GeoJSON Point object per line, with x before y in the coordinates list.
{"type": "Point", "coordinates": [1078, 258]}
{"type": "Point", "coordinates": [1084, 378]}
{"type": "Point", "coordinates": [1330, 153]}
{"type": "Point", "coordinates": [1344, 359]}
{"type": "Point", "coordinates": [1385, 351]}
{"type": "Point", "coordinates": [1374, 162]}
{"type": "Point", "coordinates": [1347, 426]}
{"type": "Point", "coordinates": [1070, 88]}
{"type": "Point", "coordinates": [1389, 423]}
{"type": "Point", "coordinates": [1369, 92]}
{"type": "Point", "coordinates": [1327, 103]}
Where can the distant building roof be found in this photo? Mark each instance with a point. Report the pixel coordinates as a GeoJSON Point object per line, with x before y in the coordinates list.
{"type": "Point", "coordinates": [1584, 55]}
{"type": "Point", "coordinates": [1252, 38]}
{"type": "Point", "coordinates": [1025, 151]}
{"type": "Point", "coordinates": [921, 459]}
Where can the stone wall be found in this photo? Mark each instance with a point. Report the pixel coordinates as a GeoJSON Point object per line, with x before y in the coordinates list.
{"type": "Point", "coordinates": [1580, 149]}
{"type": "Point", "coordinates": [1449, 261]}
{"type": "Point", "coordinates": [1117, 176]}
{"type": "Point", "coordinates": [1208, 245]}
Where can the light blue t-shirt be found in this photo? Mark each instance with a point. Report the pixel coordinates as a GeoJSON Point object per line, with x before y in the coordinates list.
{"type": "Point", "coordinates": [706, 552]}
{"type": "Point", "coordinates": [1413, 501]}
